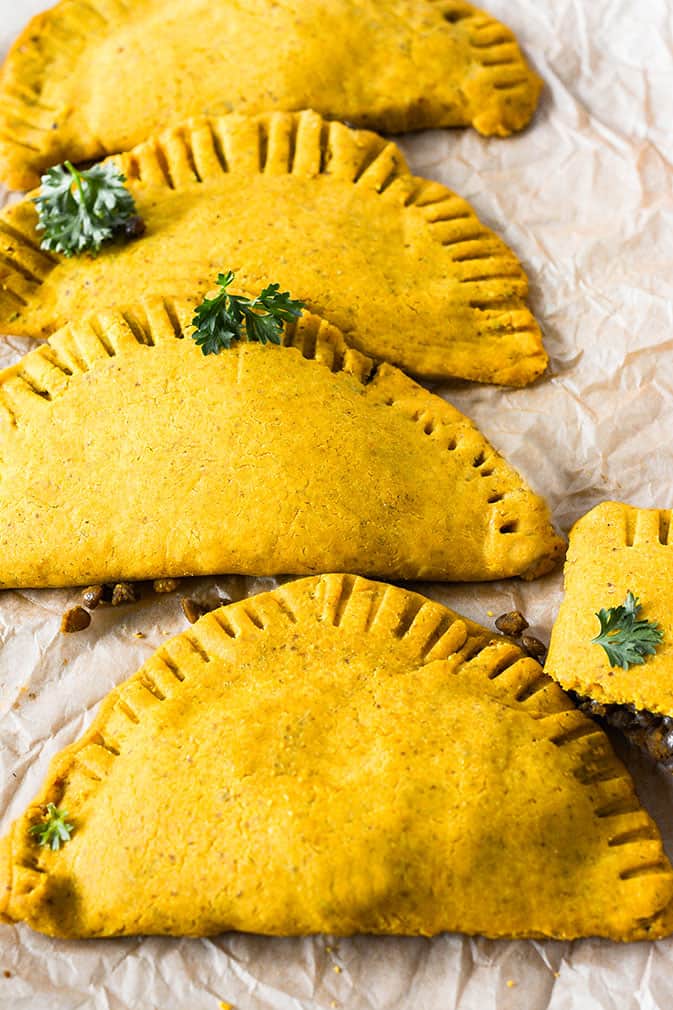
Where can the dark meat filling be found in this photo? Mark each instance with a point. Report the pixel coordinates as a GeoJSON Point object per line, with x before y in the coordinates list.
{"type": "Point", "coordinates": [651, 732]}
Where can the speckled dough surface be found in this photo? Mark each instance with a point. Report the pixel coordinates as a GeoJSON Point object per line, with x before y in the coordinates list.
{"type": "Point", "coordinates": [127, 454]}
{"type": "Point", "coordinates": [615, 549]}
{"type": "Point", "coordinates": [400, 264]}
{"type": "Point", "coordinates": [87, 79]}
{"type": "Point", "coordinates": [340, 756]}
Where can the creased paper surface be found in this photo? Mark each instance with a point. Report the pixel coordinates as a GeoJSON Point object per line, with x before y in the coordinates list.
{"type": "Point", "coordinates": [584, 197]}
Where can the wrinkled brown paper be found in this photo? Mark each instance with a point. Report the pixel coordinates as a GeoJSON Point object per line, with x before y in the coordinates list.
{"type": "Point", "coordinates": [585, 198]}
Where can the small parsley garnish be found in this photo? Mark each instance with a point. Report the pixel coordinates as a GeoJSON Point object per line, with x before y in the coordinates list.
{"type": "Point", "coordinates": [53, 829]}
{"type": "Point", "coordinates": [222, 319]}
{"type": "Point", "coordinates": [79, 211]}
{"type": "Point", "coordinates": [626, 640]}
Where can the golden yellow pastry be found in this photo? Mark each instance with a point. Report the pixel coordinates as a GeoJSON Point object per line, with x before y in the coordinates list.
{"type": "Point", "coordinates": [87, 79]}
{"type": "Point", "coordinates": [616, 549]}
{"type": "Point", "coordinates": [338, 756]}
{"type": "Point", "coordinates": [128, 454]}
{"type": "Point", "coordinates": [400, 264]}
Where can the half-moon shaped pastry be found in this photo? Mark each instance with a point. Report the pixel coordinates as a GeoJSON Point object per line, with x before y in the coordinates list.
{"type": "Point", "coordinates": [127, 454]}
{"type": "Point", "coordinates": [616, 549]}
{"type": "Point", "coordinates": [87, 79]}
{"type": "Point", "coordinates": [400, 264]}
{"type": "Point", "coordinates": [339, 756]}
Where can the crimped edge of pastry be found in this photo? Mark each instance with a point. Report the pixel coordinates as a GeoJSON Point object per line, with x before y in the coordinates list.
{"type": "Point", "coordinates": [493, 284]}
{"type": "Point", "coordinates": [29, 142]}
{"type": "Point", "coordinates": [515, 510]}
{"type": "Point", "coordinates": [439, 634]}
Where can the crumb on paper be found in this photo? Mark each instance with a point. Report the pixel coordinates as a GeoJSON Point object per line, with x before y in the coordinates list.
{"type": "Point", "coordinates": [534, 647]}
{"type": "Point", "coordinates": [92, 597]}
{"type": "Point", "coordinates": [489, 613]}
{"type": "Point", "coordinates": [192, 609]}
{"type": "Point", "coordinates": [226, 1006]}
{"type": "Point", "coordinates": [510, 983]}
{"type": "Point", "coordinates": [512, 623]}
{"type": "Point", "coordinates": [337, 968]}
{"type": "Point", "coordinates": [75, 619]}
{"type": "Point", "coordinates": [138, 634]}
{"type": "Point", "coordinates": [123, 593]}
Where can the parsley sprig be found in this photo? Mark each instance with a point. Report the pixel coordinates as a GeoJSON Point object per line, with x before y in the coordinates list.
{"type": "Point", "coordinates": [224, 318]}
{"type": "Point", "coordinates": [79, 211]}
{"type": "Point", "coordinates": [627, 640]}
{"type": "Point", "coordinates": [53, 829]}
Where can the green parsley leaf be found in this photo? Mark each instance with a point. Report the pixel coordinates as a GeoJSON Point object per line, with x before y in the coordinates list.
{"type": "Point", "coordinates": [224, 318]}
{"type": "Point", "coordinates": [78, 211]}
{"type": "Point", "coordinates": [53, 829]}
{"type": "Point", "coordinates": [626, 640]}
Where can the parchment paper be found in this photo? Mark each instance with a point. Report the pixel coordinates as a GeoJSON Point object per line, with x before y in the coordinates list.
{"type": "Point", "coordinates": [585, 199]}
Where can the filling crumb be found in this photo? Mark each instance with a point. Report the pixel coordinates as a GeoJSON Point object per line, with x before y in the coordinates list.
{"type": "Point", "coordinates": [650, 731]}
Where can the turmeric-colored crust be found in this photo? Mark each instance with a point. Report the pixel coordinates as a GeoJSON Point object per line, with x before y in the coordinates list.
{"type": "Point", "coordinates": [614, 549]}
{"type": "Point", "coordinates": [93, 77]}
{"type": "Point", "coordinates": [340, 756]}
{"type": "Point", "coordinates": [400, 264]}
{"type": "Point", "coordinates": [128, 454]}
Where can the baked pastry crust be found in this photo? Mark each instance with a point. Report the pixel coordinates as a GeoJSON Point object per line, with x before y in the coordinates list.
{"type": "Point", "coordinates": [86, 79]}
{"type": "Point", "coordinates": [614, 549]}
{"type": "Point", "coordinates": [127, 454]}
{"type": "Point", "coordinates": [340, 756]}
{"type": "Point", "coordinates": [400, 264]}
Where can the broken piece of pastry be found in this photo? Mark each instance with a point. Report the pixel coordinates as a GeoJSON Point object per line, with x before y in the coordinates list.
{"type": "Point", "coordinates": [338, 756]}
{"type": "Point", "coordinates": [87, 79]}
{"type": "Point", "coordinates": [620, 560]}
{"type": "Point", "coordinates": [400, 264]}
{"type": "Point", "coordinates": [128, 454]}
